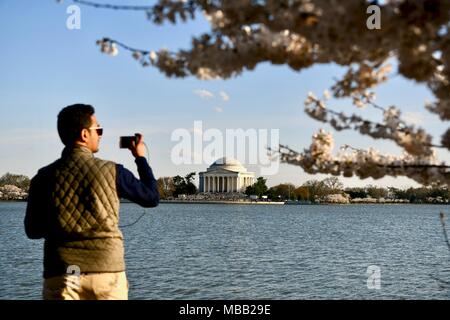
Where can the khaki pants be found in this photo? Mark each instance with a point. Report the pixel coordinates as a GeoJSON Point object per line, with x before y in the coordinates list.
{"type": "Point", "coordinates": [89, 286]}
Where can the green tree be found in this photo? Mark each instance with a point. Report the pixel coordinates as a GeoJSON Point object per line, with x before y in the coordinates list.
{"type": "Point", "coordinates": [184, 185]}
{"type": "Point", "coordinates": [316, 189]}
{"type": "Point", "coordinates": [376, 192]}
{"type": "Point", "coordinates": [417, 195]}
{"type": "Point", "coordinates": [436, 191]}
{"type": "Point", "coordinates": [282, 191]}
{"type": "Point", "coordinates": [399, 193]}
{"type": "Point", "coordinates": [356, 192]}
{"type": "Point", "coordinates": [259, 188]}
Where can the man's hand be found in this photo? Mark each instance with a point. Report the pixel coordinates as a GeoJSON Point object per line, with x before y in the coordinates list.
{"type": "Point", "coordinates": [138, 149]}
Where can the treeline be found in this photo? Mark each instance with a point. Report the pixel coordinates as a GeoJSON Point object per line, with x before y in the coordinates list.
{"type": "Point", "coordinates": [18, 180]}
{"type": "Point", "coordinates": [14, 186]}
{"type": "Point", "coordinates": [172, 187]}
{"type": "Point", "coordinates": [318, 190]}
{"type": "Point", "coordinates": [311, 190]}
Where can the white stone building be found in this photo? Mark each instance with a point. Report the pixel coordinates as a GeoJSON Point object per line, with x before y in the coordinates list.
{"type": "Point", "coordinates": [225, 175]}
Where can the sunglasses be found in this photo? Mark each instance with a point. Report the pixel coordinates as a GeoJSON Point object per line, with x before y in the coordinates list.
{"type": "Point", "coordinates": [98, 129]}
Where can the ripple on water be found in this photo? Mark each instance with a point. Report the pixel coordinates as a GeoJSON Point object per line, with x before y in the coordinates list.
{"type": "Point", "coordinates": [258, 252]}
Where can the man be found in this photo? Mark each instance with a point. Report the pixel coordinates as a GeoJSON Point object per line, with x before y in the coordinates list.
{"type": "Point", "coordinates": [74, 205]}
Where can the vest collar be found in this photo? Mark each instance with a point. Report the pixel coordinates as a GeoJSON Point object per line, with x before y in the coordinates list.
{"type": "Point", "coordinates": [77, 150]}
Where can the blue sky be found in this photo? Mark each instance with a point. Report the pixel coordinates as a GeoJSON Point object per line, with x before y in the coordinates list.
{"type": "Point", "coordinates": [44, 66]}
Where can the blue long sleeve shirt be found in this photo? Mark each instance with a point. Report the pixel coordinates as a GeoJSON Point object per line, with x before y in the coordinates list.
{"type": "Point", "coordinates": [143, 191]}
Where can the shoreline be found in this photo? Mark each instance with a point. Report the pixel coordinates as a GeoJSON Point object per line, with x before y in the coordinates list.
{"type": "Point", "coordinates": [222, 202]}
{"type": "Point", "coordinates": [282, 203]}
{"type": "Point", "coordinates": [269, 203]}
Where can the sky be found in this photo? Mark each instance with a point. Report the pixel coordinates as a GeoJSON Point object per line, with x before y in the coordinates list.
{"type": "Point", "coordinates": [45, 66]}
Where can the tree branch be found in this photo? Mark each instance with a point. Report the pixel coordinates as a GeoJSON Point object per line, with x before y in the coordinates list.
{"type": "Point", "coordinates": [112, 6]}
{"type": "Point", "coordinates": [415, 141]}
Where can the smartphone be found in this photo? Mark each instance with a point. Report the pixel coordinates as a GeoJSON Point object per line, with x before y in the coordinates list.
{"type": "Point", "coordinates": [127, 141]}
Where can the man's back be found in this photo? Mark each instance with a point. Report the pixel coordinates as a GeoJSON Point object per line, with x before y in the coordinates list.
{"type": "Point", "coordinates": [77, 200]}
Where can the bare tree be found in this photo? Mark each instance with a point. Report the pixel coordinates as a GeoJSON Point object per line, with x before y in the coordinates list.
{"type": "Point", "coordinates": [333, 184]}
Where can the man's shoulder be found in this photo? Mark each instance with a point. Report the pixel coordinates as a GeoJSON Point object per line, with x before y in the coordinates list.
{"type": "Point", "coordinates": [103, 162]}
{"type": "Point", "coordinates": [44, 171]}
{"type": "Point", "coordinates": [106, 166]}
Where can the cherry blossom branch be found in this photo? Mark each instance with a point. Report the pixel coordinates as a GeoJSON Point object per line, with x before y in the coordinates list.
{"type": "Point", "coordinates": [441, 166]}
{"type": "Point", "coordinates": [414, 141]}
{"type": "Point", "coordinates": [318, 158]}
{"type": "Point", "coordinates": [122, 45]}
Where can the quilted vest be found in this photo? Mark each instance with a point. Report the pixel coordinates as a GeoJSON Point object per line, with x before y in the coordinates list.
{"type": "Point", "coordinates": [84, 218]}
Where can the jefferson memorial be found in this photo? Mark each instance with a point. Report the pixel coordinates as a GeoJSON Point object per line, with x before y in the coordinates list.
{"type": "Point", "coordinates": [225, 175]}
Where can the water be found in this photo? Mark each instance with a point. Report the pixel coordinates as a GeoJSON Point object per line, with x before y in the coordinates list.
{"type": "Point", "coordinates": [188, 251]}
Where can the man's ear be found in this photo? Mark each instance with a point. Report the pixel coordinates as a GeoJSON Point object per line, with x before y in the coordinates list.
{"type": "Point", "coordinates": [84, 135]}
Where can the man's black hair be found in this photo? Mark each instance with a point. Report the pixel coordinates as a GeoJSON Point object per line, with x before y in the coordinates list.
{"type": "Point", "coordinates": [72, 120]}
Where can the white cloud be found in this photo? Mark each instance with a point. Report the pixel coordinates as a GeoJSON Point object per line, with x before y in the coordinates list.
{"type": "Point", "coordinates": [218, 109]}
{"type": "Point", "coordinates": [204, 94]}
{"type": "Point", "coordinates": [224, 96]}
